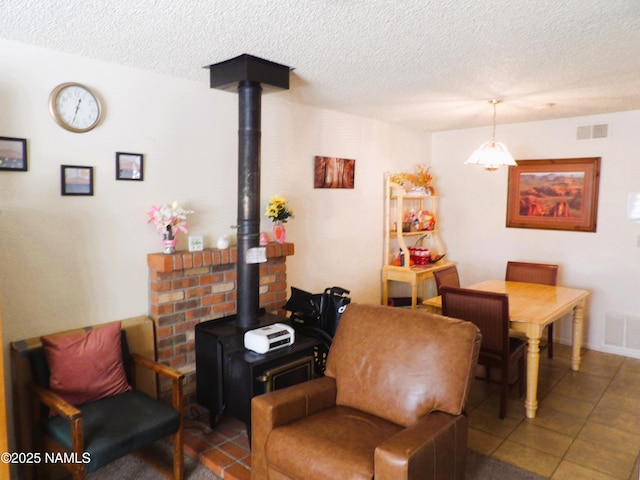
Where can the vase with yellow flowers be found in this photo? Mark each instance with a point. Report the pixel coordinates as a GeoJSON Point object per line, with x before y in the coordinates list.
{"type": "Point", "coordinates": [279, 212]}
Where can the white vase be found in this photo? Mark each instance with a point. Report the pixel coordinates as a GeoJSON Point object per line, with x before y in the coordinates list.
{"type": "Point", "coordinates": [223, 242]}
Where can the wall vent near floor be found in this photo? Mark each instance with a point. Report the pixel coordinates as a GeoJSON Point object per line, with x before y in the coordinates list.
{"type": "Point", "coordinates": [622, 330]}
{"type": "Point", "coordinates": [586, 132]}
{"type": "Point", "coordinates": [632, 338]}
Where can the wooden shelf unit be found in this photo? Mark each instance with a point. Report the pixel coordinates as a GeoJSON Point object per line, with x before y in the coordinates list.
{"type": "Point", "coordinates": [397, 203]}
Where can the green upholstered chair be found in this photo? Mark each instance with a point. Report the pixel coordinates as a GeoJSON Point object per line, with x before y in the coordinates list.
{"type": "Point", "coordinates": [104, 430]}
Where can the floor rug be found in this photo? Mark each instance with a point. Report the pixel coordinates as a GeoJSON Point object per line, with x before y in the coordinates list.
{"type": "Point", "coordinates": [150, 464]}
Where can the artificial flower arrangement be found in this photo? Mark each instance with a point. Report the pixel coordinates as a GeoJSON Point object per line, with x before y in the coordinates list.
{"type": "Point", "coordinates": [278, 210]}
{"type": "Point", "coordinates": [169, 219]}
{"type": "Point", "coordinates": [420, 180]}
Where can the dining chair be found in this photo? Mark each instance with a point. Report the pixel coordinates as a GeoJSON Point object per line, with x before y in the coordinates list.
{"type": "Point", "coordinates": [446, 277]}
{"type": "Point", "coordinates": [542, 273]}
{"type": "Point", "coordinates": [489, 311]}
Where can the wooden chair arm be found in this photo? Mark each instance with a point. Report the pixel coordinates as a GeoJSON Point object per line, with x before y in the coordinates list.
{"type": "Point", "coordinates": [64, 409]}
{"type": "Point", "coordinates": [175, 376]}
{"type": "Point", "coordinates": [55, 402]}
{"type": "Point", "coordinates": [157, 367]}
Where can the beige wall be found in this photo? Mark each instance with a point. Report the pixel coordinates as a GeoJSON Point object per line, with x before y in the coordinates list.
{"type": "Point", "coordinates": [4, 436]}
{"type": "Point", "coordinates": [607, 262]}
{"type": "Point", "coordinates": [71, 261]}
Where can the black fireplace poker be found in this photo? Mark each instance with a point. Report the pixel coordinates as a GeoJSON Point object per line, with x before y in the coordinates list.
{"type": "Point", "coordinates": [249, 76]}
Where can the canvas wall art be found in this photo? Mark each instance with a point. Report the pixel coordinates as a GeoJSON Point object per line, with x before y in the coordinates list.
{"type": "Point", "coordinates": [332, 172]}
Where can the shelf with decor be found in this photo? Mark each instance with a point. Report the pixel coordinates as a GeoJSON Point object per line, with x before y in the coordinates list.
{"type": "Point", "coordinates": [413, 249]}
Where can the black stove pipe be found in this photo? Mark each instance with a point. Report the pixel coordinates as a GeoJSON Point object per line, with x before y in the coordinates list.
{"type": "Point", "coordinates": [249, 76]}
{"type": "Point", "coordinates": [249, 136]}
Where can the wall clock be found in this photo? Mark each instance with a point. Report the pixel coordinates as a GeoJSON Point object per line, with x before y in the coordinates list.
{"type": "Point", "coordinates": [75, 107]}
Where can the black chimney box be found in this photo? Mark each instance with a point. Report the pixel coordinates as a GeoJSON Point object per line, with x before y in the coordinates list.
{"type": "Point", "coordinates": [226, 75]}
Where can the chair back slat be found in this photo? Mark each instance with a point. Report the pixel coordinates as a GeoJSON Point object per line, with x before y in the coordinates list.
{"type": "Point", "coordinates": [447, 277]}
{"type": "Point", "coordinates": [487, 310]}
{"type": "Point", "coordinates": [542, 273]}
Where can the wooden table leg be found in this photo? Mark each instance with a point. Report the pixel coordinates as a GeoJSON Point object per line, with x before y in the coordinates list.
{"type": "Point", "coordinates": [414, 294]}
{"type": "Point", "coordinates": [385, 289]}
{"type": "Point", "coordinates": [533, 366]}
{"type": "Point", "coordinates": [578, 321]}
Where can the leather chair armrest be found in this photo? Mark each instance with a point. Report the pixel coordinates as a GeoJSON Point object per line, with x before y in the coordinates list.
{"type": "Point", "coordinates": [284, 406]}
{"type": "Point", "coordinates": [434, 448]}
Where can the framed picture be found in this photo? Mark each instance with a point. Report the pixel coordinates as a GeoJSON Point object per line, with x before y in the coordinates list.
{"type": "Point", "coordinates": [331, 172]}
{"type": "Point", "coordinates": [75, 180]}
{"type": "Point", "coordinates": [129, 166]}
{"type": "Point", "coordinates": [13, 154]}
{"type": "Point", "coordinates": [556, 194]}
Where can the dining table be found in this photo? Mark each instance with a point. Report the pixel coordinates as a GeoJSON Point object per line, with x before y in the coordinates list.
{"type": "Point", "coordinates": [532, 307]}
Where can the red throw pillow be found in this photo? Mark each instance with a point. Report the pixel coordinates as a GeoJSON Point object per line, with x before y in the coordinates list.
{"type": "Point", "coordinates": [86, 366]}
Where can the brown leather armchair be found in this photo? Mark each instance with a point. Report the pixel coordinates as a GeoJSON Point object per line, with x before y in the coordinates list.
{"type": "Point", "coordinates": [390, 406]}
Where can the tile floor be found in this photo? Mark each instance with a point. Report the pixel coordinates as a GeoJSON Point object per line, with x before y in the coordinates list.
{"type": "Point", "coordinates": [587, 425]}
{"type": "Point", "coordinates": [224, 450]}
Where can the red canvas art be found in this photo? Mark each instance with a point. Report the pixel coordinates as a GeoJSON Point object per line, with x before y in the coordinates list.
{"type": "Point", "coordinates": [331, 172]}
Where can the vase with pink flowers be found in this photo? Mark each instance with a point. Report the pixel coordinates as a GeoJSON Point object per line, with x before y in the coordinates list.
{"type": "Point", "coordinates": [169, 220]}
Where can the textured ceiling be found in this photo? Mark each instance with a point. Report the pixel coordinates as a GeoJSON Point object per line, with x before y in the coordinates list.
{"type": "Point", "coordinates": [432, 65]}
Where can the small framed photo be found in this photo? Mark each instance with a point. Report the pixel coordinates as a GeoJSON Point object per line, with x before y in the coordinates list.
{"type": "Point", "coordinates": [129, 166]}
{"type": "Point", "coordinates": [13, 154]}
{"type": "Point", "coordinates": [75, 180]}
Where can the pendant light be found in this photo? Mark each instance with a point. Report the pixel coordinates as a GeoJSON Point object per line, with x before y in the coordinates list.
{"type": "Point", "coordinates": [491, 155]}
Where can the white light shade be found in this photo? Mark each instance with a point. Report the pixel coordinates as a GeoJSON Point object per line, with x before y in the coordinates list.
{"type": "Point", "coordinates": [491, 156]}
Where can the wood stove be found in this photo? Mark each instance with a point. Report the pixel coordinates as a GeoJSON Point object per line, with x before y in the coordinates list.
{"type": "Point", "coordinates": [227, 375]}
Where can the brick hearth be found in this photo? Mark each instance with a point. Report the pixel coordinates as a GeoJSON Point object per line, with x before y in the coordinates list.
{"type": "Point", "coordinates": [186, 288]}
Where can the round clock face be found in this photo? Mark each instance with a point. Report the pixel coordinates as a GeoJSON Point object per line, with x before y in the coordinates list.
{"type": "Point", "coordinates": [74, 107]}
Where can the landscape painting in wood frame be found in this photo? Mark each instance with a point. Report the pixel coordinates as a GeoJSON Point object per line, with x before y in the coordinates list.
{"type": "Point", "coordinates": [554, 194]}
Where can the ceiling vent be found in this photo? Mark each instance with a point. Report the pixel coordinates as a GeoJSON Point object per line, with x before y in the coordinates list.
{"type": "Point", "coordinates": [586, 132]}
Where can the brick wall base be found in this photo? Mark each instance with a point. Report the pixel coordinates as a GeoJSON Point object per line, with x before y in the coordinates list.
{"type": "Point", "coordinates": [186, 288]}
